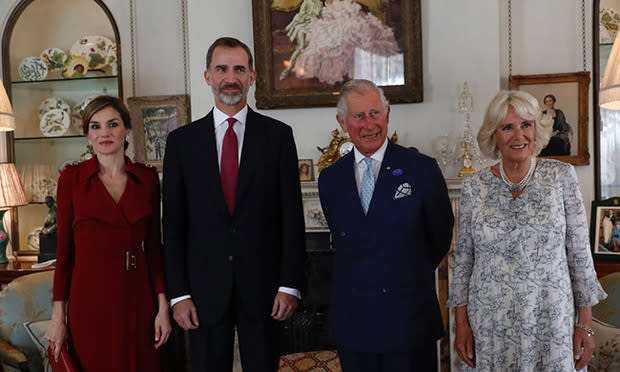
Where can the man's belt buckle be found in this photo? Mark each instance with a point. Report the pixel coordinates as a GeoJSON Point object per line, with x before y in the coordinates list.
{"type": "Point", "coordinates": [131, 260]}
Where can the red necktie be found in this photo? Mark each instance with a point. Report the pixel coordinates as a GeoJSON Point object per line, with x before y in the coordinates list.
{"type": "Point", "coordinates": [230, 168]}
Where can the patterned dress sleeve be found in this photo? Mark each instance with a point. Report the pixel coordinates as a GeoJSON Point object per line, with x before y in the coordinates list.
{"type": "Point", "coordinates": [152, 244]}
{"type": "Point", "coordinates": [587, 290]}
{"type": "Point", "coordinates": [65, 253]}
{"type": "Point", "coordinates": [464, 255]}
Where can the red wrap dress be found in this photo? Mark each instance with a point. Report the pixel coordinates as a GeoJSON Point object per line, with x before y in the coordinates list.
{"type": "Point", "coordinates": [109, 267]}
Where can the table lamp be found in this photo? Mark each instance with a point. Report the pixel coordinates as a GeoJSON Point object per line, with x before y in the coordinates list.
{"type": "Point", "coordinates": [11, 195]}
{"type": "Point", "coordinates": [7, 119]}
{"type": "Point", "coordinates": [609, 93]}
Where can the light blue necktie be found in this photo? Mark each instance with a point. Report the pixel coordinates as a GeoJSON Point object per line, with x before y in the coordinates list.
{"type": "Point", "coordinates": [367, 186]}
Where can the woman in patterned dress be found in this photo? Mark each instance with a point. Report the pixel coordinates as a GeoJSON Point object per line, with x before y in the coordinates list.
{"type": "Point", "coordinates": [524, 281]}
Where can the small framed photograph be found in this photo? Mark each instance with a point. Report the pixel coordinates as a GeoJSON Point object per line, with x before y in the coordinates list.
{"type": "Point", "coordinates": [605, 229]}
{"type": "Point", "coordinates": [563, 97]}
{"type": "Point", "coordinates": [152, 119]}
{"type": "Point", "coordinates": [306, 170]}
{"type": "Point", "coordinates": [313, 212]}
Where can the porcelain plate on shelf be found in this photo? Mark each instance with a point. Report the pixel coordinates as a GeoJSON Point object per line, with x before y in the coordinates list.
{"type": "Point", "coordinates": [32, 69]}
{"type": "Point", "coordinates": [54, 58]}
{"type": "Point", "coordinates": [55, 123]}
{"type": "Point", "coordinates": [51, 103]}
{"type": "Point", "coordinates": [95, 49]}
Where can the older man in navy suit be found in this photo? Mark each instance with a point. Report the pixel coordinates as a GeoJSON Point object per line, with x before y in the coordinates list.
{"type": "Point", "coordinates": [390, 217]}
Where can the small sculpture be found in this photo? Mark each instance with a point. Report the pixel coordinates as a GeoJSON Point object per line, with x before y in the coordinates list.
{"type": "Point", "coordinates": [49, 225]}
{"type": "Point", "coordinates": [394, 138]}
{"type": "Point", "coordinates": [331, 153]}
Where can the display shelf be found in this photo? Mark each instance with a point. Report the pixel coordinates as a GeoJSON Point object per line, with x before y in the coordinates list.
{"type": "Point", "coordinates": [49, 138]}
{"type": "Point", "coordinates": [62, 22]}
{"type": "Point", "coordinates": [34, 82]}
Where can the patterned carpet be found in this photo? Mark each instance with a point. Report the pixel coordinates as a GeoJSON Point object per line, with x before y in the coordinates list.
{"type": "Point", "coordinates": [311, 361]}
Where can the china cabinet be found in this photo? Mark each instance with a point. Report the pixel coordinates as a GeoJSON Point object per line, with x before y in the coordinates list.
{"type": "Point", "coordinates": [56, 55]}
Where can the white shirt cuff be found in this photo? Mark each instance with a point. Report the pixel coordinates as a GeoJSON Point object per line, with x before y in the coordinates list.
{"type": "Point", "coordinates": [176, 300]}
{"type": "Point", "coordinates": [291, 291]}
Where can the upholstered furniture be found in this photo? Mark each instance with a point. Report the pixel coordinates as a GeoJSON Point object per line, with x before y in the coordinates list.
{"type": "Point", "coordinates": [311, 361]}
{"type": "Point", "coordinates": [25, 299]}
{"type": "Point", "coordinates": [606, 325]}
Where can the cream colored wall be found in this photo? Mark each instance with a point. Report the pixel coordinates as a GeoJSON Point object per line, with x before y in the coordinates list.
{"type": "Point", "coordinates": [461, 41]}
{"type": "Point", "coordinates": [546, 38]}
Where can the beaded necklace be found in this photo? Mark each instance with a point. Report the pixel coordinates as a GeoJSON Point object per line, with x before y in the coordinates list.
{"type": "Point", "coordinates": [521, 184]}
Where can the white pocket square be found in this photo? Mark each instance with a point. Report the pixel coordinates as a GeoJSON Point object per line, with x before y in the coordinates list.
{"type": "Point", "coordinates": [403, 190]}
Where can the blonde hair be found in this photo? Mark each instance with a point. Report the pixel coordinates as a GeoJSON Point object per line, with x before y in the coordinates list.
{"type": "Point", "coordinates": [527, 107]}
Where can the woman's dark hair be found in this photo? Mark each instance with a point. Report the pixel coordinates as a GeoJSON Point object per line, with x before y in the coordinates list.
{"type": "Point", "coordinates": [101, 102]}
{"type": "Point", "coordinates": [549, 95]}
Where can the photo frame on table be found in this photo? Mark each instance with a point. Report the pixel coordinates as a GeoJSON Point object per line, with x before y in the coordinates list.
{"type": "Point", "coordinates": [605, 229]}
{"type": "Point", "coordinates": [153, 118]}
{"type": "Point", "coordinates": [313, 212]}
{"type": "Point", "coordinates": [302, 59]}
{"type": "Point", "coordinates": [306, 170]}
{"type": "Point", "coordinates": [569, 93]}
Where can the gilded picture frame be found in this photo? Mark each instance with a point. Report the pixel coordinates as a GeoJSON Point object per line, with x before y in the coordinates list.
{"type": "Point", "coordinates": [153, 118]}
{"type": "Point", "coordinates": [570, 92]}
{"type": "Point", "coordinates": [275, 45]}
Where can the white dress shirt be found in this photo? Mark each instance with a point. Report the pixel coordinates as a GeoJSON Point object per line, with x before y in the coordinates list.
{"type": "Point", "coordinates": [221, 125]}
{"type": "Point", "coordinates": [360, 164]}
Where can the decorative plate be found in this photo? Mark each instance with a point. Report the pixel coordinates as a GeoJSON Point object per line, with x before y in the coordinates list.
{"type": "Point", "coordinates": [55, 123]}
{"type": "Point", "coordinates": [32, 69]}
{"type": "Point", "coordinates": [78, 109]}
{"type": "Point", "coordinates": [609, 20]}
{"type": "Point", "coordinates": [51, 103]}
{"type": "Point", "coordinates": [54, 58]}
{"type": "Point", "coordinates": [75, 68]}
{"type": "Point", "coordinates": [96, 49]}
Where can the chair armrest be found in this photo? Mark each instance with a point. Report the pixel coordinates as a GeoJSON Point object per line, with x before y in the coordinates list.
{"type": "Point", "coordinates": [607, 339]}
{"type": "Point", "coordinates": [13, 357]}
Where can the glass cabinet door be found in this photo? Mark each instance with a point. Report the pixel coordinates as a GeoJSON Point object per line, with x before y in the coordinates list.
{"type": "Point", "coordinates": [57, 55]}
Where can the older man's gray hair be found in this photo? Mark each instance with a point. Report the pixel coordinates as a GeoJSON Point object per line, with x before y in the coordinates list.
{"type": "Point", "coordinates": [357, 85]}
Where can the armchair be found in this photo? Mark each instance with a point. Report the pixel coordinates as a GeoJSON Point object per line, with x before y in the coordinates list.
{"type": "Point", "coordinates": [606, 325]}
{"type": "Point", "coordinates": [25, 299]}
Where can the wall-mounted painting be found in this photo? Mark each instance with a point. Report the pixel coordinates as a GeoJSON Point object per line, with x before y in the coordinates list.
{"type": "Point", "coordinates": [564, 97]}
{"type": "Point", "coordinates": [306, 49]}
{"type": "Point", "coordinates": [153, 118]}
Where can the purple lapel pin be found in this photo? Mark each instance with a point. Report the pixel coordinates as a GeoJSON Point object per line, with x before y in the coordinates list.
{"type": "Point", "coordinates": [397, 172]}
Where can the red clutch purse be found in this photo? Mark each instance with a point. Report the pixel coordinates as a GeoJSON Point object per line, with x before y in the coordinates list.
{"type": "Point", "coordinates": [65, 361]}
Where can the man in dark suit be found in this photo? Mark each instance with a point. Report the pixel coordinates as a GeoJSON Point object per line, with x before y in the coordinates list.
{"type": "Point", "coordinates": [391, 221]}
{"type": "Point", "coordinates": [233, 222]}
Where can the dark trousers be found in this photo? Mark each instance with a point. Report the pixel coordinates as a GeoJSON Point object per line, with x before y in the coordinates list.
{"type": "Point", "coordinates": [212, 346]}
{"type": "Point", "coordinates": [423, 359]}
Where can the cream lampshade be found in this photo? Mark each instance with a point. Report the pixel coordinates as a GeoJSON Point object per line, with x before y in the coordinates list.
{"type": "Point", "coordinates": [7, 119]}
{"type": "Point", "coordinates": [11, 195]}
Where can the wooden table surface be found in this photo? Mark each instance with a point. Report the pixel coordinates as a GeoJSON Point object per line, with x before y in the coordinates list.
{"type": "Point", "coordinates": [15, 269]}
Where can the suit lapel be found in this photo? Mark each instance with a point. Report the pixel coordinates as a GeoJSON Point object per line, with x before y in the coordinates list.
{"type": "Point", "coordinates": [211, 167]}
{"type": "Point", "coordinates": [385, 185]}
{"type": "Point", "coordinates": [253, 141]}
{"type": "Point", "coordinates": [348, 174]}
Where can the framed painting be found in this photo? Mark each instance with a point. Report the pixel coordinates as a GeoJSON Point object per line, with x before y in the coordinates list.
{"type": "Point", "coordinates": [605, 229]}
{"type": "Point", "coordinates": [152, 119]}
{"type": "Point", "coordinates": [306, 170]}
{"type": "Point", "coordinates": [306, 49]}
{"type": "Point", "coordinates": [564, 97]}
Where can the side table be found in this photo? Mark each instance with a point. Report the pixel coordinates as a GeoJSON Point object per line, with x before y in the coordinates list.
{"type": "Point", "coordinates": [15, 269]}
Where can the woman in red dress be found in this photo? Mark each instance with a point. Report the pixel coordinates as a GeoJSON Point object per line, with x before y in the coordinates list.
{"type": "Point", "coordinates": [109, 303]}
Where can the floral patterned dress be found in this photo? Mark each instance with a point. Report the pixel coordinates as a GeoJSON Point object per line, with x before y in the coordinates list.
{"type": "Point", "coordinates": [521, 267]}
